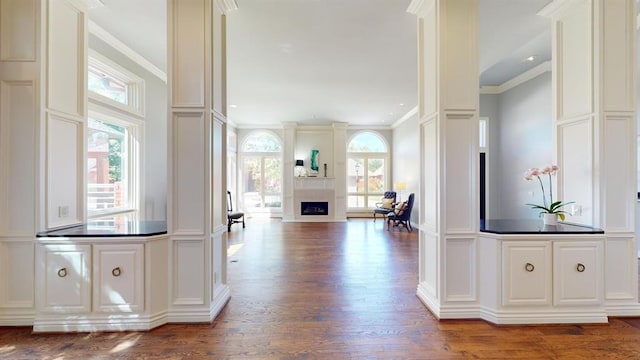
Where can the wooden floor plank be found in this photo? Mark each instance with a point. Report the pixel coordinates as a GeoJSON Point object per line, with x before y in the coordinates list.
{"type": "Point", "coordinates": [330, 291]}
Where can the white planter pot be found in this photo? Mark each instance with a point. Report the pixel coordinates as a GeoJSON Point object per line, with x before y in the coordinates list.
{"type": "Point", "coordinates": [550, 219]}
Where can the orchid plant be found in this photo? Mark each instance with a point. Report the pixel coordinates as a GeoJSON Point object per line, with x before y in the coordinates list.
{"type": "Point", "coordinates": [552, 207]}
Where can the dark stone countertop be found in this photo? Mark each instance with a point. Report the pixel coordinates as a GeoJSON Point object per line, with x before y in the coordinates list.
{"type": "Point", "coordinates": [532, 226]}
{"type": "Point", "coordinates": [96, 229]}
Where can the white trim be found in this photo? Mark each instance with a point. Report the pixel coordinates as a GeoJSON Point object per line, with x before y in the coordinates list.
{"type": "Point", "coordinates": [405, 117]}
{"type": "Point", "coordinates": [415, 6]}
{"type": "Point", "coordinates": [520, 79]}
{"type": "Point", "coordinates": [102, 34]}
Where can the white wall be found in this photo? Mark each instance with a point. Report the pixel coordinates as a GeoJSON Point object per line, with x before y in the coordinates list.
{"type": "Point", "coordinates": [489, 109]}
{"type": "Point", "coordinates": [155, 129]}
{"type": "Point", "coordinates": [404, 161]}
{"type": "Point", "coordinates": [524, 140]}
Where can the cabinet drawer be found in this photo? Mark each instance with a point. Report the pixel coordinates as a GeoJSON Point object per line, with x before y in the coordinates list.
{"type": "Point", "coordinates": [118, 275]}
{"type": "Point", "coordinates": [578, 273]}
{"type": "Point", "coordinates": [65, 278]}
{"type": "Point", "coordinates": [526, 267]}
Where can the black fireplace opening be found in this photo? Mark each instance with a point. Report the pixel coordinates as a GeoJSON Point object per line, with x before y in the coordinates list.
{"type": "Point", "coordinates": [314, 208]}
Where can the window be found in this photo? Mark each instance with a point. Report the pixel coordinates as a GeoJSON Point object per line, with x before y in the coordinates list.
{"type": "Point", "coordinates": [109, 83]}
{"type": "Point", "coordinates": [367, 173]}
{"type": "Point", "coordinates": [113, 140]}
{"type": "Point", "coordinates": [261, 175]}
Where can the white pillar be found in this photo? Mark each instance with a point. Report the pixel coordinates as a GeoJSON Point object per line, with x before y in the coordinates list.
{"type": "Point", "coordinates": [594, 77]}
{"type": "Point", "coordinates": [197, 154]}
{"type": "Point", "coordinates": [288, 172]}
{"type": "Point", "coordinates": [448, 109]}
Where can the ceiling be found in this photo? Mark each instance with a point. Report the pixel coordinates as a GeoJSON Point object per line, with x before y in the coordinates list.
{"type": "Point", "coordinates": [322, 61]}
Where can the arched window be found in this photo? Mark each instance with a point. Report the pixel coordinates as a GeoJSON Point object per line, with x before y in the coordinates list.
{"type": "Point", "coordinates": [261, 174]}
{"type": "Point", "coordinates": [367, 170]}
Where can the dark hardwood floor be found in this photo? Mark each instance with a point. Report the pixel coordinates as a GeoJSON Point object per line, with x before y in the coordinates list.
{"type": "Point", "coordinates": [330, 291]}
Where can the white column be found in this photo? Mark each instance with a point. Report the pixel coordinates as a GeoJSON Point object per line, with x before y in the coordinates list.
{"type": "Point", "coordinates": [288, 172]}
{"type": "Point", "coordinates": [594, 72]}
{"type": "Point", "coordinates": [197, 175]}
{"type": "Point", "coordinates": [43, 59]}
{"type": "Point", "coordinates": [340, 170]}
{"type": "Point", "coordinates": [448, 110]}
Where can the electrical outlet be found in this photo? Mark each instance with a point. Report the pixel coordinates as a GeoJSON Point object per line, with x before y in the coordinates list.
{"type": "Point", "coordinates": [63, 211]}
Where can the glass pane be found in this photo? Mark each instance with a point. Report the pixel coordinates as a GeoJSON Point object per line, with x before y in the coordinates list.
{"type": "Point", "coordinates": [355, 175]}
{"type": "Point", "coordinates": [355, 201]}
{"type": "Point", "coordinates": [373, 199]}
{"type": "Point", "coordinates": [261, 142]}
{"type": "Point", "coordinates": [375, 175]}
{"type": "Point", "coordinates": [273, 201]}
{"type": "Point", "coordinates": [483, 133]}
{"type": "Point", "coordinates": [107, 85]}
{"type": "Point", "coordinates": [251, 179]}
{"type": "Point", "coordinates": [367, 142]}
{"type": "Point", "coordinates": [272, 175]}
{"type": "Point", "coordinates": [107, 166]}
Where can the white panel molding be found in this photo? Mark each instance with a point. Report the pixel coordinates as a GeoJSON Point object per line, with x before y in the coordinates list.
{"type": "Point", "coordinates": [188, 271]}
{"type": "Point", "coordinates": [460, 153]}
{"type": "Point", "coordinates": [620, 149]}
{"type": "Point", "coordinates": [18, 30]}
{"type": "Point", "coordinates": [18, 140]}
{"type": "Point", "coordinates": [621, 271]}
{"type": "Point", "coordinates": [460, 252]}
{"type": "Point", "coordinates": [67, 59]}
{"type": "Point", "coordinates": [17, 275]}
{"type": "Point", "coordinates": [217, 115]}
{"type": "Point", "coordinates": [188, 135]}
{"type": "Point", "coordinates": [188, 58]}
{"type": "Point", "coordinates": [115, 43]}
{"type": "Point", "coordinates": [517, 80]}
{"type": "Point", "coordinates": [73, 148]}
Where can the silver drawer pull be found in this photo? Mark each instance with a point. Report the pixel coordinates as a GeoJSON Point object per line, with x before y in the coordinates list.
{"type": "Point", "coordinates": [116, 272]}
{"type": "Point", "coordinates": [580, 267]}
{"type": "Point", "coordinates": [529, 267]}
{"type": "Point", "coordinates": [62, 272]}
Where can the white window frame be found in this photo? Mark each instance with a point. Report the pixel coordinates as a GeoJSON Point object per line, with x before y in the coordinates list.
{"type": "Point", "coordinates": [366, 156]}
{"type": "Point", "coordinates": [262, 155]}
{"type": "Point", "coordinates": [135, 85]}
{"type": "Point", "coordinates": [129, 116]}
{"type": "Point", "coordinates": [134, 163]}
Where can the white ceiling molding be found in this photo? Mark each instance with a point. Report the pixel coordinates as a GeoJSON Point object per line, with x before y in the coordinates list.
{"type": "Point", "coordinates": [103, 35]}
{"type": "Point", "coordinates": [415, 6]}
{"type": "Point", "coordinates": [227, 6]}
{"type": "Point", "coordinates": [557, 7]}
{"type": "Point", "coordinates": [520, 79]}
{"type": "Point", "coordinates": [259, 126]}
{"type": "Point", "coordinates": [405, 117]}
{"type": "Point", "coordinates": [93, 4]}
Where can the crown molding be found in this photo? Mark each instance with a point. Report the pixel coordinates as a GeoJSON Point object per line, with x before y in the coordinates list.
{"type": "Point", "coordinates": [105, 36]}
{"type": "Point", "coordinates": [415, 6]}
{"type": "Point", "coordinates": [520, 79]}
{"type": "Point", "coordinates": [405, 117]}
{"type": "Point", "coordinates": [557, 8]}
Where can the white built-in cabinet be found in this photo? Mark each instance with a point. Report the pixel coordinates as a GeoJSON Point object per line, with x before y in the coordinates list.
{"type": "Point", "coordinates": [543, 278]}
{"type": "Point", "coordinates": [101, 284]}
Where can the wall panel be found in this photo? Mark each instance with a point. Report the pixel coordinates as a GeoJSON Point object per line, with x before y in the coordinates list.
{"type": "Point", "coordinates": [188, 272]}
{"type": "Point", "coordinates": [64, 166]}
{"type": "Point", "coordinates": [66, 72]}
{"type": "Point", "coordinates": [18, 142]}
{"type": "Point", "coordinates": [619, 149]}
{"type": "Point", "coordinates": [189, 173]}
{"type": "Point", "coordinates": [18, 30]}
{"type": "Point", "coordinates": [617, 44]}
{"type": "Point", "coordinates": [189, 66]}
{"type": "Point", "coordinates": [429, 211]}
{"type": "Point", "coordinates": [460, 267]}
{"type": "Point", "coordinates": [17, 274]}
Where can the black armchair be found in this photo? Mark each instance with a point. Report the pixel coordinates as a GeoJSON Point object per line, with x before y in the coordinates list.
{"type": "Point", "coordinates": [401, 214]}
{"type": "Point", "coordinates": [233, 217]}
{"type": "Point", "coordinates": [386, 205]}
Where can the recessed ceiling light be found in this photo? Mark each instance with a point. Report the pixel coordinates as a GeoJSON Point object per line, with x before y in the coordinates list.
{"type": "Point", "coordinates": [401, 104]}
{"type": "Point", "coordinates": [233, 106]}
{"type": "Point", "coordinates": [530, 58]}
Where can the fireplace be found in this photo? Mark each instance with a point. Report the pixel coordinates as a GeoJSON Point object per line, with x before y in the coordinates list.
{"type": "Point", "coordinates": [314, 208]}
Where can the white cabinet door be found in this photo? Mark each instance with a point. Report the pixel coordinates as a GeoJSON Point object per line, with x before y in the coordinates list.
{"type": "Point", "coordinates": [118, 275]}
{"type": "Point", "coordinates": [64, 278]}
{"type": "Point", "coordinates": [526, 267]}
{"type": "Point", "coordinates": [578, 272]}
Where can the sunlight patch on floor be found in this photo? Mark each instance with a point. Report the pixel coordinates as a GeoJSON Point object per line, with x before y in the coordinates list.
{"type": "Point", "coordinates": [233, 249]}
{"type": "Point", "coordinates": [6, 349]}
{"type": "Point", "coordinates": [124, 345]}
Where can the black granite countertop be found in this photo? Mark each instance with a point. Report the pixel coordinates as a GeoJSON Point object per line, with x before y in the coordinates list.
{"type": "Point", "coordinates": [98, 229]}
{"type": "Point", "coordinates": [533, 226]}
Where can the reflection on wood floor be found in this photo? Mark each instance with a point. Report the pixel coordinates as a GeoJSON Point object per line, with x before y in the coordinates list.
{"type": "Point", "coordinates": [330, 291]}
